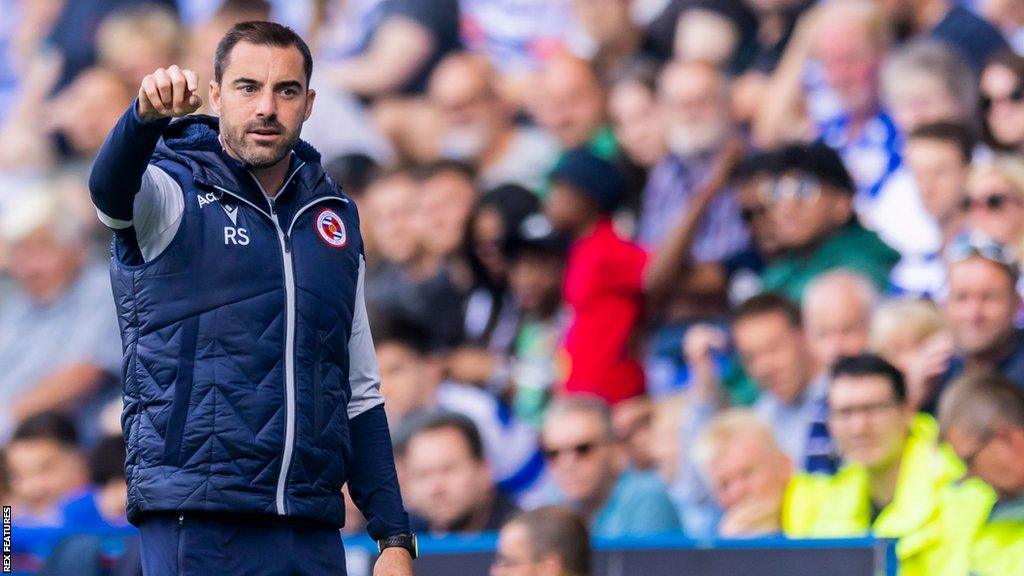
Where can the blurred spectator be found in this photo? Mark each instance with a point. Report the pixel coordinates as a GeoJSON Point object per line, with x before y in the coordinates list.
{"type": "Point", "coordinates": [982, 305]}
{"type": "Point", "coordinates": [447, 484]}
{"type": "Point", "coordinates": [616, 40]}
{"type": "Point", "coordinates": [910, 333]}
{"type": "Point", "coordinates": [837, 311]}
{"type": "Point", "coordinates": [1008, 17]}
{"type": "Point", "coordinates": [102, 506]}
{"type": "Point", "coordinates": [748, 473]}
{"type": "Point", "coordinates": [495, 223]}
{"type": "Point", "coordinates": [135, 41]}
{"type": "Point", "coordinates": [412, 382]}
{"type": "Point", "coordinates": [547, 541]}
{"type": "Point", "coordinates": [407, 280]}
{"type": "Point", "coordinates": [47, 365]}
{"type": "Point", "coordinates": [713, 31]}
{"type": "Point", "coordinates": [982, 417]}
{"type": "Point", "coordinates": [938, 158]}
{"type": "Point", "coordinates": [893, 474]}
{"type": "Point", "coordinates": [1002, 102]}
{"type": "Point", "coordinates": [477, 126]}
{"type": "Point", "coordinates": [994, 203]}
{"type": "Point", "coordinates": [848, 40]}
{"type": "Point", "coordinates": [45, 467]}
{"type": "Point", "coordinates": [447, 196]}
{"type": "Point", "coordinates": [633, 420]}
{"type": "Point", "coordinates": [579, 445]}
{"type": "Point", "coordinates": [925, 82]}
{"type": "Point", "coordinates": [949, 22]}
{"type": "Point", "coordinates": [665, 446]}
{"type": "Point", "coordinates": [636, 116]}
{"type": "Point", "coordinates": [570, 104]}
{"type": "Point", "coordinates": [695, 109]}
{"type": "Point", "coordinates": [408, 40]}
{"type": "Point", "coordinates": [810, 200]}
{"type": "Point", "coordinates": [603, 279]}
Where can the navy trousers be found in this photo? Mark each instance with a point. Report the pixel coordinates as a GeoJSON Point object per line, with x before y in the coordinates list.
{"type": "Point", "coordinates": [206, 544]}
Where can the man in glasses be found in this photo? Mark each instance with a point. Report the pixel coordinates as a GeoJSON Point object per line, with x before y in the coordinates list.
{"type": "Point", "coordinates": [982, 417]}
{"type": "Point", "coordinates": [810, 202]}
{"type": "Point", "coordinates": [579, 444]}
{"type": "Point", "coordinates": [893, 469]}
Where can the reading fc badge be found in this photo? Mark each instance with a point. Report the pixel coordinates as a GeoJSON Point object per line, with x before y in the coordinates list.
{"type": "Point", "coordinates": [331, 228]}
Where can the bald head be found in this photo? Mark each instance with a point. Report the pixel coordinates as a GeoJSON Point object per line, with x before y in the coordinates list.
{"type": "Point", "coordinates": [837, 310]}
{"type": "Point", "coordinates": [571, 103]}
{"type": "Point", "coordinates": [851, 39]}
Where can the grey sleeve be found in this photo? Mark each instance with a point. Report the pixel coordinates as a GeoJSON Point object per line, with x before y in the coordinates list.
{"type": "Point", "coordinates": [156, 212]}
{"type": "Point", "coordinates": [364, 375]}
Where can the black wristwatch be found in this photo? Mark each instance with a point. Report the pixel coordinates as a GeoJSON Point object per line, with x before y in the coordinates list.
{"type": "Point", "coordinates": [406, 540]}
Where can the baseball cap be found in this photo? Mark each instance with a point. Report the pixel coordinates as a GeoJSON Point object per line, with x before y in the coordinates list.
{"type": "Point", "coordinates": [537, 235]}
{"type": "Point", "coordinates": [591, 176]}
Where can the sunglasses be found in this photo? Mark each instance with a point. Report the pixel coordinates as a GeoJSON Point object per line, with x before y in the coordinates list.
{"type": "Point", "coordinates": [969, 245]}
{"type": "Point", "coordinates": [803, 188]}
{"type": "Point", "coordinates": [581, 450]}
{"type": "Point", "coordinates": [751, 213]}
{"type": "Point", "coordinates": [992, 202]}
{"type": "Point", "coordinates": [1016, 97]}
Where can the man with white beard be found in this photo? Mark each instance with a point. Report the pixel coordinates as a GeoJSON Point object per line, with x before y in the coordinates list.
{"type": "Point", "coordinates": [694, 98]}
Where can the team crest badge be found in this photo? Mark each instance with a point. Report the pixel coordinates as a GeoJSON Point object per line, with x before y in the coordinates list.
{"type": "Point", "coordinates": [331, 228]}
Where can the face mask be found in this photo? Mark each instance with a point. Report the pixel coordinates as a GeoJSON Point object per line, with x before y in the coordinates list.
{"type": "Point", "coordinates": [463, 144]}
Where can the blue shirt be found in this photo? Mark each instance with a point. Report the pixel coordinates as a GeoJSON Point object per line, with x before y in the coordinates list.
{"type": "Point", "coordinates": [638, 506]}
{"type": "Point", "coordinates": [872, 154]}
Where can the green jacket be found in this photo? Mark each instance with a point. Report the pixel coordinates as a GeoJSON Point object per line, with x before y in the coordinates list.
{"type": "Point", "coordinates": [852, 247]}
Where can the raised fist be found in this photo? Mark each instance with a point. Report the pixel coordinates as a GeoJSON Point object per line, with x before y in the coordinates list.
{"type": "Point", "coordinates": [169, 93]}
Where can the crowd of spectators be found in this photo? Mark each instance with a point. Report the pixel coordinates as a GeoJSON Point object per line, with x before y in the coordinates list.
{"type": "Point", "coordinates": [714, 268]}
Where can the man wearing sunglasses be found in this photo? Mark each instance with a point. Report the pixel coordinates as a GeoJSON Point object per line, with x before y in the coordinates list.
{"type": "Point", "coordinates": [809, 198]}
{"type": "Point", "coordinates": [982, 417]}
{"type": "Point", "coordinates": [578, 440]}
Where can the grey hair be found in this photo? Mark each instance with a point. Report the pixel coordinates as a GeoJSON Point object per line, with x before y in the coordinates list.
{"type": "Point", "coordinates": [586, 404]}
{"type": "Point", "coordinates": [934, 58]}
{"type": "Point", "coordinates": [831, 281]}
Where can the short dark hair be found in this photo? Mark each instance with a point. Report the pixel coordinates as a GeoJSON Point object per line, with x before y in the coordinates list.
{"type": "Point", "coordinates": [769, 303]}
{"type": "Point", "coordinates": [49, 425]}
{"type": "Point", "coordinates": [950, 133]}
{"type": "Point", "coordinates": [872, 365]}
{"type": "Point", "coordinates": [106, 461]}
{"type": "Point", "coordinates": [399, 329]}
{"type": "Point", "coordinates": [432, 169]}
{"type": "Point", "coordinates": [353, 172]}
{"type": "Point", "coordinates": [560, 531]}
{"type": "Point", "coordinates": [816, 159]}
{"type": "Point", "coordinates": [441, 420]}
{"type": "Point", "coordinates": [261, 34]}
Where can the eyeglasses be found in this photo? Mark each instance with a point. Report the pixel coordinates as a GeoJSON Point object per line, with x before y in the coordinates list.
{"type": "Point", "coordinates": [751, 213]}
{"type": "Point", "coordinates": [803, 188]}
{"type": "Point", "coordinates": [874, 410]}
{"type": "Point", "coordinates": [969, 245]}
{"type": "Point", "coordinates": [581, 450]}
{"type": "Point", "coordinates": [993, 202]}
{"type": "Point", "coordinates": [1016, 97]}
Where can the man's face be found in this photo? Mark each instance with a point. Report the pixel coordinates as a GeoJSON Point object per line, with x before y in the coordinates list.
{"type": "Point", "coordinates": [446, 200]}
{"type": "Point", "coordinates": [941, 175]}
{"type": "Point", "coordinates": [996, 457]}
{"type": "Point", "coordinates": [747, 470]}
{"type": "Point", "coordinates": [837, 324]}
{"type": "Point", "coordinates": [850, 63]}
{"type": "Point", "coordinates": [43, 265]}
{"type": "Point", "coordinates": [920, 99]}
{"type": "Point", "coordinates": [536, 280]}
{"type": "Point", "coordinates": [996, 207]}
{"type": "Point", "coordinates": [516, 556]}
{"type": "Point", "coordinates": [566, 209]}
{"type": "Point", "coordinates": [262, 100]}
{"type": "Point", "coordinates": [982, 305]}
{"type": "Point", "coordinates": [470, 113]}
{"type": "Point", "coordinates": [408, 381]}
{"type": "Point", "coordinates": [774, 354]}
{"type": "Point", "coordinates": [581, 456]}
{"type": "Point", "coordinates": [804, 211]}
{"type": "Point", "coordinates": [604, 20]}
{"type": "Point", "coordinates": [755, 215]}
{"type": "Point", "coordinates": [866, 421]}
{"type": "Point", "coordinates": [444, 483]}
{"type": "Point", "coordinates": [392, 204]}
{"type": "Point", "coordinates": [572, 107]}
{"type": "Point", "coordinates": [694, 110]}
{"type": "Point", "coordinates": [42, 473]}
{"type": "Point", "coordinates": [636, 119]}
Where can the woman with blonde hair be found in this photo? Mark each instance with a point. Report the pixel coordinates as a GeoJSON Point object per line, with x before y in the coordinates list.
{"type": "Point", "coordinates": [994, 204]}
{"type": "Point", "coordinates": [910, 333]}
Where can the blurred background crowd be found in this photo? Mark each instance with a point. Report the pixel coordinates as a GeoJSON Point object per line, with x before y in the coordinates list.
{"type": "Point", "coordinates": [710, 267]}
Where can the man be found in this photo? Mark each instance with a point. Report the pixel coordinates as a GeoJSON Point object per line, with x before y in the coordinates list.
{"type": "Point", "coordinates": [837, 310]}
{"type": "Point", "coordinates": [695, 108]}
{"type": "Point", "coordinates": [447, 481]}
{"type": "Point", "coordinates": [547, 541]}
{"type": "Point", "coordinates": [748, 473]}
{"type": "Point", "coordinates": [982, 417]}
{"type": "Point", "coordinates": [893, 471]}
{"type": "Point", "coordinates": [579, 444]}
{"type": "Point", "coordinates": [45, 466]}
{"type": "Point", "coordinates": [949, 22]}
{"type": "Point", "coordinates": [48, 365]}
{"type": "Point", "coordinates": [810, 201]}
{"type": "Point", "coordinates": [570, 104]}
{"type": "Point", "coordinates": [981, 308]}
{"type": "Point", "coordinates": [477, 126]}
{"type": "Point", "coordinates": [252, 391]}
